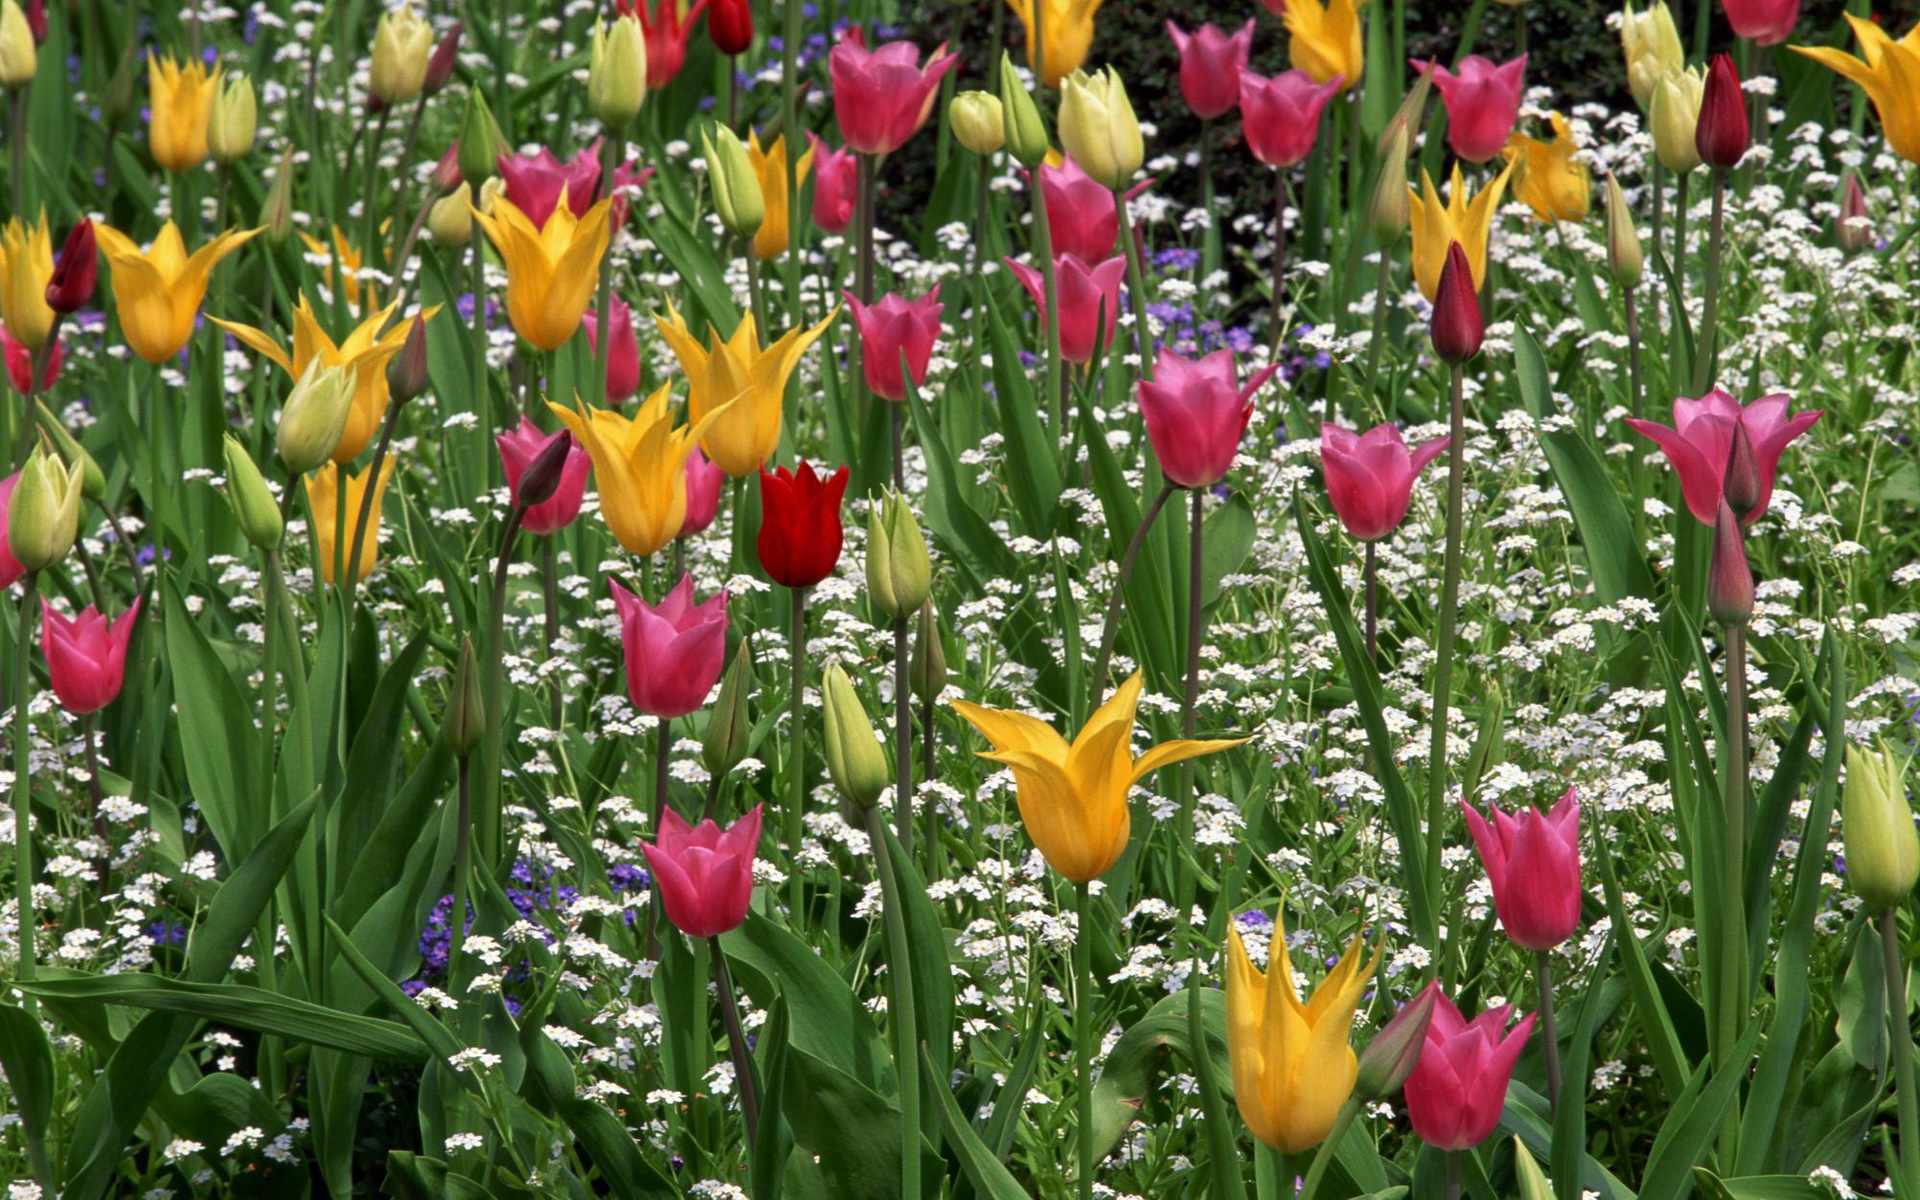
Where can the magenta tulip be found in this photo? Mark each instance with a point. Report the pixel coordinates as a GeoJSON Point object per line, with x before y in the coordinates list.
{"type": "Point", "coordinates": [1081, 218]}
{"type": "Point", "coordinates": [1701, 441]}
{"type": "Point", "coordinates": [1210, 66]}
{"type": "Point", "coordinates": [674, 652]}
{"type": "Point", "coordinates": [835, 186]}
{"type": "Point", "coordinates": [1457, 1091]}
{"type": "Point", "coordinates": [1532, 859]}
{"type": "Point", "coordinates": [882, 97]}
{"type": "Point", "coordinates": [1281, 115]}
{"type": "Point", "coordinates": [705, 874]}
{"type": "Point", "coordinates": [623, 354]}
{"type": "Point", "coordinates": [703, 493]}
{"type": "Point", "coordinates": [1083, 297]}
{"type": "Point", "coordinates": [86, 655]}
{"type": "Point", "coordinates": [10, 568]}
{"type": "Point", "coordinates": [889, 327]}
{"type": "Point", "coordinates": [517, 452]}
{"type": "Point", "coordinates": [535, 182]}
{"type": "Point", "coordinates": [1370, 476]}
{"type": "Point", "coordinates": [1195, 412]}
{"type": "Point", "coordinates": [1766, 22]}
{"type": "Point", "coordinates": [1483, 102]}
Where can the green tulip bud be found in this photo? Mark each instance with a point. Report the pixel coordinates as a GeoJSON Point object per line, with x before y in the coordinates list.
{"type": "Point", "coordinates": [855, 757]}
{"type": "Point", "coordinates": [1389, 1059]}
{"type": "Point", "coordinates": [617, 76]}
{"type": "Point", "coordinates": [465, 724]}
{"type": "Point", "coordinates": [928, 667]}
{"type": "Point", "coordinates": [253, 503]}
{"type": "Point", "coordinates": [1623, 240]}
{"type": "Point", "coordinates": [899, 575]}
{"type": "Point", "coordinates": [450, 220]}
{"type": "Point", "coordinates": [1098, 128]}
{"type": "Point", "coordinates": [1388, 210]}
{"type": "Point", "coordinates": [1876, 827]}
{"type": "Point", "coordinates": [277, 213]}
{"type": "Point", "coordinates": [736, 188]}
{"type": "Point", "coordinates": [231, 125]}
{"type": "Point", "coordinates": [978, 122]}
{"type": "Point", "coordinates": [729, 721]}
{"type": "Point", "coordinates": [314, 416]}
{"type": "Point", "coordinates": [44, 518]}
{"type": "Point", "coordinates": [1026, 133]}
{"type": "Point", "coordinates": [94, 485]}
{"type": "Point", "coordinates": [481, 143]}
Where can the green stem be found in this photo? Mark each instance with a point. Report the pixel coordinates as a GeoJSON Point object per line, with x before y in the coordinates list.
{"type": "Point", "coordinates": [1451, 1190]}
{"type": "Point", "coordinates": [904, 1019]}
{"type": "Point", "coordinates": [1382, 285]}
{"type": "Point", "coordinates": [1324, 1156]}
{"type": "Point", "coordinates": [737, 1046]}
{"type": "Point", "coordinates": [1190, 701]}
{"type": "Point", "coordinates": [482, 386]}
{"type": "Point", "coordinates": [1449, 616]}
{"type": "Point", "coordinates": [1732, 992]}
{"type": "Point", "coordinates": [1373, 611]}
{"type": "Point", "coordinates": [1549, 1034]}
{"type": "Point", "coordinates": [1110, 626]}
{"type": "Point", "coordinates": [1681, 202]}
{"type": "Point", "coordinates": [1137, 286]}
{"type": "Point", "coordinates": [796, 744]}
{"type": "Point", "coordinates": [603, 311]}
{"type": "Point", "coordinates": [370, 260]}
{"type": "Point", "coordinates": [462, 873]}
{"type": "Point", "coordinates": [1900, 1033]}
{"type": "Point", "coordinates": [23, 785]}
{"type": "Point", "coordinates": [1050, 295]}
{"type": "Point", "coordinates": [1629, 299]}
{"type": "Point", "coordinates": [1082, 1036]}
{"type": "Point", "coordinates": [487, 820]}
{"type": "Point", "coordinates": [1707, 345]}
{"type": "Point", "coordinates": [903, 792]}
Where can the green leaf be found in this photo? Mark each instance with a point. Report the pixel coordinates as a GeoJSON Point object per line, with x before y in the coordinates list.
{"type": "Point", "coordinates": [1226, 542]}
{"type": "Point", "coordinates": [1032, 472]}
{"type": "Point", "coordinates": [1693, 1121]}
{"type": "Point", "coordinates": [1761, 1187]}
{"type": "Point", "coordinates": [217, 739]}
{"type": "Point", "coordinates": [28, 1061]}
{"type": "Point", "coordinates": [615, 1155]}
{"type": "Point", "coordinates": [1532, 1181]}
{"type": "Point", "coordinates": [828, 1020]}
{"type": "Point", "coordinates": [1132, 1068]}
{"type": "Point", "coordinates": [851, 1129]}
{"type": "Point", "coordinates": [982, 1167]}
{"type": "Point", "coordinates": [1570, 1106]}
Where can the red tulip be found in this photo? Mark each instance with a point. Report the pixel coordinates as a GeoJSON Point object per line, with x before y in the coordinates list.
{"type": "Point", "coordinates": [1483, 102]}
{"type": "Point", "coordinates": [1532, 859]}
{"type": "Point", "coordinates": [37, 21]}
{"type": "Point", "coordinates": [534, 182]}
{"type": "Point", "coordinates": [1281, 115]}
{"type": "Point", "coordinates": [517, 452]}
{"type": "Point", "coordinates": [835, 186]}
{"type": "Point", "coordinates": [1853, 228]}
{"type": "Point", "coordinates": [800, 532]}
{"type": "Point", "coordinates": [1195, 413]}
{"type": "Point", "coordinates": [888, 328]}
{"type": "Point", "coordinates": [623, 353]}
{"type": "Point", "coordinates": [1722, 135]}
{"type": "Point", "coordinates": [704, 479]}
{"type": "Point", "coordinates": [1457, 327]}
{"type": "Point", "coordinates": [882, 97]}
{"type": "Point", "coordinates": [675, 652]}
{"type": "Point", "coordinates": [705, 874]}
{"type": "Point", "coordinates": [446, 56]}
{"type": "Point", "coordinates": [86, 656]}
{"type": "Point", "coordinates": [1701, 443]}
{"type": "Point", "coordinates": [730, 25]}
{"type": "Point", "coordinates": [666, 32]}
{"type": "Point", "coordinates": [1081, 217]}
{"type": "Point", "coordinates": [446, 172]}
{"type": "Point", "coordinates": [1457, 1091]}
{"type": "Point", "coordinates": [10, 568]}
{"type": "Point", "coordinates": [20, 364]}
{"type": "Point", "coordinates": [1729, 576]}
{"type": "Point", "coordinates": [1766, 22]}
{"type": "Point", "coordinates": [1370, 476]}
{"type": "Point", "coordinates": [1210, 66]}
{"type": "Point", "coordinates": [71, 285]}
{"type": "Point", "coordinates": [1089, 301]}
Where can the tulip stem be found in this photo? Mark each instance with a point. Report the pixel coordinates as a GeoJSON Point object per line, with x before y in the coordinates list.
{"type": "Point", "coordinates": [1659, 204]}
{"type": "Point", "coordinates": [487, 827]}
{"type": "Point", "coordinates": [1050, 294]}
{"type": "Point", "coordinates": [796, 745]}
{"type": "Point", "coordinates": [1382, 286]}
{"type": "Point", "coordinates": [23, 787]}
{"type": "Point", "coordinates": [1549, 1033]}
{"type": "Point", "coordinates": [550, 586]}
{"type": "Point", "coordinates": [1629, 298]}
{"type": "Point", "coordinates": [370, 258]}
{"type": "Point", "coordinates": [365, 519]}
{"type": "Point", "coordinates": [1280, 254]}
{"type": "Point", "coordinates": [1190, 700]}
{"type": "Point", "coordinates": [1449, 604]}
{"type": "Point", "coordinates": [1451, 1190]}
{"type": "Point", "coordinates": [903, 1018]}
{"type": "Point", "coordinates": [1137, 298]}
{"type": "Point", "coordinates": [1707, 344]}
{"type": "Point", "coordinates": [863, 277]}
{"type": "Point", "coordinates": [737, 1046]}
{"type": "Point", "coordinates": [1110, 627]}
{"type": "Point", "coordinates": [903, 791]}
{"type": "Point", "coordinates": [1681, 202]}
{"type": "Point", "coordinates": [1900, 1034]}
{"type": "Point", "coordinates": [929, 744]}
{"type": "Point", "coordinates": [462, 869]}
{"type": "Point", "coordinates": [17, 150]}
{"type": "Point", "coordinates": [482, 386]}
{"type": "Point", "coordinates": [1329, 1147]}
{"type": "Point", "coordinates": [1373, 616]}
{"type": "Point", "coordinates": [1733, 994]}
{"type": "Point", "coordinates": [1082, 1031]}
{"type": "Point", "coordinates": [603, 314]}
{"type": "Point", "coordinates": [89, 731]}
{"type": "Point", "coordinates": [662, 753]}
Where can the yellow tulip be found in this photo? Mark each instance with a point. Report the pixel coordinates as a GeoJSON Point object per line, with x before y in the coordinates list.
{"type": "Point", "coordinates": [770, 167]}
{"type": "Point", "coordinates": [1066, 28]}
{"type": "Point", "coordinates": [26, 264]}
{"type": "Point", "coordinates": [1889, 72]}
{"type": "Point", "coordinates": [323, 492]}
{"type": "Point", "coordinates": [402, 44]}
{"type": "Point", "coordinates": [158, 292]}
{"type": "Point", "coordinates": [361, 296]}
{"type": "Point", "coordinates": [182, 103]}
{"type": "Point", "coordinates": [1099, 130]}
{"type": "Point", "coordinates": [1073, 798]}
{"type": "Point", "coordinates": [639, 467]}
{"type": "Point", "coordinates": [1555, 185]}
{"type": "Point", "coordinates": [1651, 43]}
{"type": "Point", "coordinates": [1325, 40]}
{"type": "Point", "coordinates": [19, 53]}
{"type": "Point", "coordinates": [737, 376]}
{"type": "Point", "coordinates": [1293, 1068]}
{"type": "Point", "coordinates": [551, 270]}
{"type": "Point", "coordinates": [1673, 115]}
{"type": "Point", "coordinates": [1464, 218]}
{"type": "Point", "coordinates": [364, 352]}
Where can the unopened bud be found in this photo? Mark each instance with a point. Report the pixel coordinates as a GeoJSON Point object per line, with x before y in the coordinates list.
{"type": "Point", "coordinates": [314, 416]}
{"type": "Point", "coordinates": [1389, 1059]}
{"type": "Point", "coordinates": [542, 477]}
{"type": "Point", "coordinates": [928, 670]}
{"type": "Point", "coordinates": [1729, 578]}
{"type": "Point", "coordinates": [446, 56]}
{"type": "Point", "coordinates": [1741, 483]}
{"type": "Point", "coordinates": [19, 53]}
{"type": "Point", "coordinates": [253, 503]}
{"type": "Point", "coordinates": [277, 214]}
{"type": "Point", "coordinates": [407, 373]}
{"type": "Point", "coordinates": [450, 220]}
{"type": "Point", "coordinates": [1876, 828]}
{"type": "Point", "coordinates": [899, 574]}
{"type": "Point", "coordinates": [1388, 210]}
{"type": "Point", "coordinates": [465, 725]}
{"type": "Point", "coordinates": [1723, 135]}
{"type": "Point", "coordinates": [1853, 229]}
{"type": "Point", "coordinates": [93, 482]}
{"type": "Point", "coordinates": [43, 518]}
{"type": "Point", "coordinates": [978, 123]}
{"type": "Point", "coordinates": [617, 76]}
{"type": "Point", "coordinates": [729, 722]}
{"type": "Point", "coordinates": [481, 143]}
{"type": "Point", "coordinates": [1457, 327]}
{"type": "Point", "coordinates": [1624, 259]}
{"type": "Point", "coordinates": [1026, 132]}
{"type": "Point", "coordinates": [231, 125]}
{"type": "Point", "coordinates": [736, 188]}
{"type": "Point", "coordinates": [402, 45]}
{"type": "Point", "coordinates": [855, 758]}
{"type": "Point", "coordinates": [74, 276]}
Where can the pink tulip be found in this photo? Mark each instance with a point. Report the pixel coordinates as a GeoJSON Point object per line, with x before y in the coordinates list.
{"type": "Point", "coordinates": [518, 450]}
{"type": "Point", "coordinates": [1083, 296]}
{"type": "Point", "coordinates": [1766, 22]}
{"type": "Point", "coordinates": [627, 178]}
{"type": "Point", "coordinates": [1195, 413]}
{"type": "Point", "coordinates": [10, 568]}
{"type": "Point", "coordinates": [86, 656]}
{"type": "Point", "coordinates": [1081, 217]}
{"type": "Point", "coordinates": [836, 181]}
{"type": "Point", "coordinates": [882, 97]}
{"type": "Point", "coordinates": [703, 493]}
{"type": "Point", "coordinates": [1532, 859]}
{"type": "Point", "coordinates": [1458, 1089]}
{"type": "Point", "coordinates": [1370, 476]}
{"type": "Point", "coordinates": [1483, 102]}
{"type": "Point", "coordinates": [674, 652]}
{"type": "Point", "coordinates": [1210, 66]}
{"type": "Point", "coordinates": [535, 181]}
{"type": "Point", "coordinates": [623, 356]}
{"type": "Point", "coordinates": [888, 328]}
{"type": "Point", "coordinates": [1281, 116]}
{"type": "Point", "coordinates": [20, 364]}
{"type": "Point", "coordinates": [1701, 441]}
{"type": "Point", "coordinates": [705, 873]}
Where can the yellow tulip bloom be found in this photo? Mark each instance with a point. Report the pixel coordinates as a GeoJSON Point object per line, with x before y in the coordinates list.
{"type": "Point", "coordinates": [158, 292]}
{"type": "Point", "coordinates": [364, 351]}
{"type": "Point", "coordinates": [551, 270]}
{"type": "Point", "coordinates": [323, 491]}
{"type": "Point", "coordinates": [181, 103]}
{"type": "Point", "coordinates": [639, 467]}
{"type": "Point", "coordinates": [361, 296]}
{"type": "Point", "coordinates": [1464, 218]}
{"type": "Point", "coordinates": [740, 381]}
{"type": "Point", "coordinates": [1293, 1068]}
{"type": "Point", "coordinates": [1073, 798]}
{"type": "Point", "coordinates": [1555, 185]}
{"type": "Point", "coordinates": [1889, 72]}
{"type": "Point", "coordinates": [26, 264]}
{"type": "Point", "coordinates": [770, 167]}
{"type": "Point", "coordinates": [1324, 40]}
{"type": "Point", "coordinates": [1067, 31]}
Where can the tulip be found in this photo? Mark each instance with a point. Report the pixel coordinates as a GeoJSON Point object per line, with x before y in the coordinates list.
{"type": "Point", "coordinates": [1729, 577]}
{"type": "Point", "coordinates": [617, 72]}
{"type": "Point", "coordinates": [408, 372]}
{"type": "Point", "coordinates": [518, 450]}
{"type": "Point", "coordinates": [1324, 40]}
{"type": "Point", "coordinates": [538, 183]}
{"type": "Point", "coordinates": [639, 467]}
{"type": "Point", "coordinates": [978, 122]}
{"type": "Point", "coordinates": [1025, 131]}
{"type": "Point", "coordinates": [181, 105]}
{"type": "Point", "coordinates": [1624, 259]}
{"type": "Point", "coordinates": [1387, 208]}
{"type": "Point", "coordinates": [254, 505]}
{"type": "Point", "coordinates": [899, 575]}
{"type": "Point", "coordinates": [1281, 115]}
{"type": "Point", "coordinates": [481, 145]}
{"type": "Point", "coordinates": [769, 165]}
{"type": "Point", "coordinates": [36, 14]}
{"type": "Point", "coordinates": [855, 759]}
{"type": "Point", "coordinates": [234, 120]}
{"type": "Point", "coordinates": [1457, 1092]}
{"type": "Point", "coordinates": [1876, 828]}
{"type": "Point", "coordinates": [1853, 228]}
{"type": "Point", "coordinates": [736, 187]}
{"type": "Point", "coordinates": [1073, 798]}
{"type": "Point", "coordinates": [800, 531]}
{"type": "Point", "coordinates": [705, 875]}
{"type": "Point", "coordinates": [19, 49]}
{"type": "Point", "coordinates": [1675, 116]}
{"type": "Point", "coordinates": [1081, 216]}
{"type": "Point", "coordinates": [360, 293]}
{"type": "Point", "coordinates": [1389, 1059]}
{"type": "Point", "coordinates": [1210, 67]}
{"type": "Point", "coordinates": [20, 365]}
{"type": "Point", "coordinates": [75, 273]}
{"type": "Point", "coordinates": [43, 514]}
{"type": "Point", "coordinates": [323, 494]}
{"type": "Point", "coordinates": [1293, 1068]}
{"type": "Point", "coordinates": [10, 567]}
{"type": "Point", "coordinates": [314, 416]}
{"type": "Point", "coordinates": [667, 31]}
{"type": "Point", "coordinates": [1532, 860]}
{"type": "Point", "coordinates": [890, 328]}
{"type": "Point", "coordinates": [674, 652]}
{"type": "Point", "coordinates": [729, 731]}
{"type": "Point", "coordinates": [835, 186]}
{"type": "Point", "coordinates": [86, 655]}
{"type": "Point", "coordinates": [551, 269]}
{"type": "Point", "coordinates": [158, 292]}
{"type": "Point", "coordinates": [1764, 22]}
{"type": "Point", "coordinates": [1651, 42]}
{"type": "Point", "coordinates": [1700, 443]}
{"type": "Point", "coordinates": [1722, 135]}
{"type": "Point", "coordinates": [703, 493]}
{"type": "Point", "coordinates": [402, 44]}
{"type": "Point", "coordinates": [1483, 102]}
{"type": "Point", "coordinates": [882, 97]}
{"type": "Point", "coordinates": [623, 354]}
{"type": "Point", "coordinates": [1066, 28]}
{"type": "Point", "coordinates": [1086, 299]}
{"type": "Point", "coordinates": [1457, 326]}
{"type": "Point", "coordinates": [1196, 412]}
{"type": "Point", "coordinates": [1550, 180]}
{"type": "Point", "coordinates": [1886, 71]}
{"type": "Point", "coordinates": [740, 383]}
{"type": "Point", "coordinates": [1098, 128]}
{"type": "Point", "coordinates": [26, 269]}
{"type": "Point", "coordinates": [1466, 218]}
{"type": "Point", "coordinates": [450, 220]}
{"type": "Point", "coordinates": [446, 56]}
{"type": "Point", "coordinates": [277, 212]}
{"type": "Point", "coordinates": [928, 666]}
{"type": "Point", "coordinates": [61, 443]}
{"type": "Point", "coordinates": [464, 728]}
{"type": "Point", "coordinates": [730, 25]}
{"type": "Point", "coordinates": [1370, 476]}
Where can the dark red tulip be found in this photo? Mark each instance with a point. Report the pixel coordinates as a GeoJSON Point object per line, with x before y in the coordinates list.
{"type": "Point", "coordinates": [445, 56]}
{"type": "Point", "coordinates": [1722, 135]}
{"type": "Point", "coordinates": [800, 531]}
{"type": "Point", "coordinates": [71, 285]}
{"type": "Point", "coordinates": [730, 25]}
{"type": "Point", "coordinates": [1457, 323]}
{"type": "Point", "coordinates": [1729, 577]}
{"type": "Point", "coordinates": [37, 20]}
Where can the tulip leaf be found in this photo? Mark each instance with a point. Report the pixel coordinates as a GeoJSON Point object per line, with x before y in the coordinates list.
{"type": "Point", "coordinates": [28, 1061]}
{"type": "Point", "coordinates": [217, 739]}
{"type": "Point", "coordinates": [615, 1155]}
{"type": "Point", "coordinates": [1694, 1120]}
{"type": "Point", "coordinates": [1533, 1182]}
{"type": "Point", "coordinates": [1760, 1187]}
{"type": "Point", "coordinates": [1132, 1068]}
{"type": "Point", "coordinates": [1033, 462]}
{"type": "Point", "coordinates": [1526, 1116]}
{"type": "Point", "coordinates": [828, 1020]}
{"type": "Point", "coordinates": [981, 1166]}
{"type": "Point", "coordinates": [850, 1129]}
{"type": "Point", "coordinates": [1570, 1106]}
{"type": "Point", "coordinates": [417, 1177]}
{"type": "Point", "coordinates": [979, 552]}
{"type": "Point", "coordinates": [1227, 539]}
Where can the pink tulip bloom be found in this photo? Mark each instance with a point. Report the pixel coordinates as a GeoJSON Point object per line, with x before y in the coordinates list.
{"type": "Point", "coordinates": [674, 652]}
{"type": "Point", "coordinates": [836, 183]}
{"type": "Point", "coordinates": [1701, 441]}
{"type": "Point", "coordinates": [1456, 1093]}
{"type": "Point", "coordinates": [705, 873]}
{"type": "Point", "coordinates": [534, 182]}
{"type": "Point", "coordinates": [1281, 115]}
{"type": "Point", "coordinates": [1081, 217]}
{"type": "Point", "coordinates": [1083, 296]}
{"type": "Point", "coordinates": [20, 363]}
{"type": "Point", "coordinates": [889, 327]}
{"type": "Point", "coordinates": [1195, 412]}
{"type": "Point", "coordinates": [623, 355]}
{"type": "Point", "coordinates": [1370, 476]}
{"type": "Point", "coordinates": [1483, 102]}
{"type": "Point", "coordinates": [86, 656]}
{"type": "Point", "coordinates": [1532, 859]}
{"type": "Point", "coordinates": [518, 450]}
{"type": "Point", "coordinates": [10, 568]}
{"type": "Point", "coordinates": [1210, 66]}
{"type": "Point", "coordinates": [882, 97]}
{"type": "Point", "coordinates": [1766, 22]}
{"type": "Point", "coordinates": [703, 493]}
